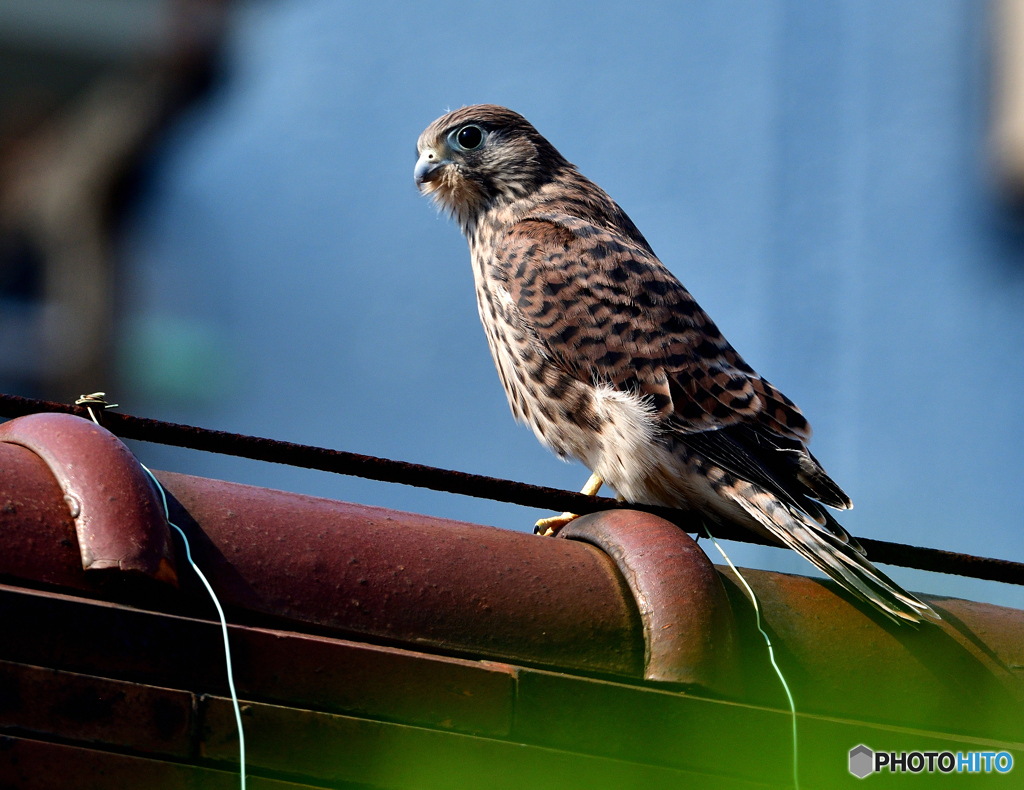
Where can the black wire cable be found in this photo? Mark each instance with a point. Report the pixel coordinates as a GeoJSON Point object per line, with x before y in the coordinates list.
{"type": "Point", "coordinates": [453, 482]}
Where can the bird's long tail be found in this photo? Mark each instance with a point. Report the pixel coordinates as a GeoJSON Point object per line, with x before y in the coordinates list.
{"type": "Point", "coordinates": [821, 540]}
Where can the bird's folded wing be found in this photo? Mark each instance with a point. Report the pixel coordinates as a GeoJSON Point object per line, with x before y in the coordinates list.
{"type": "Point", "coordinates": [609, 312]}
{"type": "Point", "coordinates": [780, 465]}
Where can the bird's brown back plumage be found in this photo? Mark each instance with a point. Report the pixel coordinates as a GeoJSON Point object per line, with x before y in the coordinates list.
{"type": "Point", "coordinates": [610, 360]}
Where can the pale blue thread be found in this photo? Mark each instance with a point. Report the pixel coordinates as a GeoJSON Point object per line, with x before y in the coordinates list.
{"type": "Point", "coordinates": [771, 651]}
{"type": "Point", "coordinates": [97, 399]}
{"type": "Point", "coordinates": [223, 624]}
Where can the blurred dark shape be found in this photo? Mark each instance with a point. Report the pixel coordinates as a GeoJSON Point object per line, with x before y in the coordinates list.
{"type": "Point", "coordinates": [86, 88]}
{"type": "Point", "coordinates": [21, 265]}
{"type": "Point", "coordinates": [1007, 136]}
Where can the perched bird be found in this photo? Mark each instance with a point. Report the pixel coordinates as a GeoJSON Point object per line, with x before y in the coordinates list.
{"type": "Point", "coordinates": [607, 357]}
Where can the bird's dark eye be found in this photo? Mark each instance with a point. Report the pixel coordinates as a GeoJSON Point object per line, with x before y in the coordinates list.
{"type": "Point", "coordinates": [470, 137]}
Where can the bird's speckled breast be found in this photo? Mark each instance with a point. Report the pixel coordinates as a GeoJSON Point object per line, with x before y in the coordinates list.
{"type": "Point", "coordinates": [613, 433]}
{"type": "Point", "coordinates": [558, 408]}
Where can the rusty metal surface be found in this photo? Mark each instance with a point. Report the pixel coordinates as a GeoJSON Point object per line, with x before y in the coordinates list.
{"type": "Point", "coordinates": [570, 732]}
{"type": "Point", "coordinates": [381, 576]}
{"type": "Point", "coordinates": [963, 675]}
{"type": "Point", "coordinates": [90, 709]}
{"type": "Point", "coordinates": [714, 736]}
{"type": "Point", "coordinates": [118, 519]}
{"type": "Point", "coordinates": [410, 579]}
{"type": "Point", "coordinates": [370, 467]}
{"type": "Point", "coordinates": [473, 697]}
{"type": "Point", "coordinates": [625, 731]}
{"type": "Point", "coordinates": [41, 765]}
{"type": "Point", "coordinates": [371, 572]}
{"type": "Point", "coordinates": [36, 529]}
{"type": "Point", "coordinates": [562, 730]}
{"type": "Point", "coordinates": [340, 749]}
{"type": "Point", "coordinates": [118, 642]}
{"type": "Point", "coordinates": [689, 627]}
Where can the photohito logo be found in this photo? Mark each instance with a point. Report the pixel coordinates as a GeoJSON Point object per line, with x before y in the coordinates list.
{"type": "Point", "coordinates": [864, 761]}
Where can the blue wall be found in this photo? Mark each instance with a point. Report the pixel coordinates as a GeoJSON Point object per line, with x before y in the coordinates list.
{"type": "Point", "coordinates": [814, 171]}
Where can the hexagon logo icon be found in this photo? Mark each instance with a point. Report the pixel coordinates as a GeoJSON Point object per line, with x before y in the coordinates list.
{"type": "Point", "coordinates": [862, 761]}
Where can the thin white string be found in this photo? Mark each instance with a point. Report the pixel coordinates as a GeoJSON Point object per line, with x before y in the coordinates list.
{"type": "Point", "coordinates": [223, 624]}
{"type": "Point", "coordinates": [771, 650]}
{"type": "Point", "coordinates": [96, 399]}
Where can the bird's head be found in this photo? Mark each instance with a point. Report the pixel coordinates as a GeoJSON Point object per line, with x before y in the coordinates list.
{"type": "Point", "coordinates": [477, 157]}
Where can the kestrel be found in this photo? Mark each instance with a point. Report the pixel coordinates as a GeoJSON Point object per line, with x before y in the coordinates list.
{"type": "Point", "coordinates": [610, 361]}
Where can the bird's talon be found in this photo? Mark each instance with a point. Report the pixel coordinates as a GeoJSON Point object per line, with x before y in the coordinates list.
{"type": "Point", "coordinates": [549, 527]}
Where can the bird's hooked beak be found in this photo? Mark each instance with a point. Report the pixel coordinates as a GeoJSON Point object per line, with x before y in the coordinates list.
{"type": "Point", "coordinates": [428, 166]}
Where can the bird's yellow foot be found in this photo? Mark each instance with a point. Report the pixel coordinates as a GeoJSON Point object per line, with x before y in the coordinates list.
{"type": "Point", "coordinates": [549, 527]}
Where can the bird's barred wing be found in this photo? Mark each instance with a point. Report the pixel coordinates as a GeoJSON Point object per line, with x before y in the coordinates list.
{"type": "Point", "coordinates": [608, 311]}
{"type": "Point", "coordinates": [780, 464]}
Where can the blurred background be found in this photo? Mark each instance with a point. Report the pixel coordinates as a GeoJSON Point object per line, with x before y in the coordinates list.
{"type": "Point", "coordinates": [207, 210]}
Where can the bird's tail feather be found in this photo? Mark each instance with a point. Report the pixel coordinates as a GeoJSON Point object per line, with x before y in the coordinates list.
{"type": "Point", "coordinates": [831, 549]}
